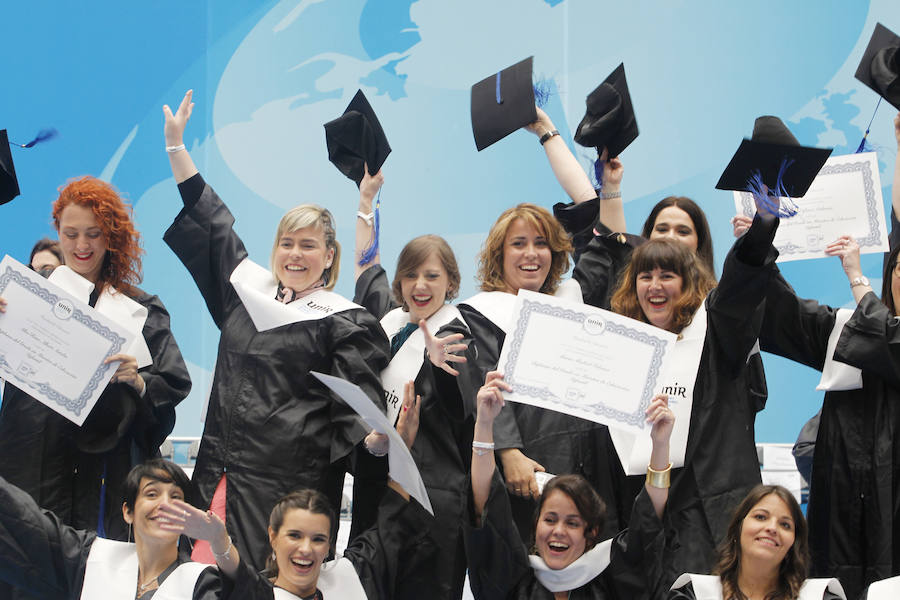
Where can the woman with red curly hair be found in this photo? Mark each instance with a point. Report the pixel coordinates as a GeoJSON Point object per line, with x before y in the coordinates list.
{"type": "Point", "coordinates": [77, 471]}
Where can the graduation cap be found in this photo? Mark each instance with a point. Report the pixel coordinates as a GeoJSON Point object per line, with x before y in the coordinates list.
{"type": "Point", "coordinates": [503, 103]}
{"type": "Point", "coordinates": [9, 184]}
{"type": "Point", "coordinates": [356, 137]}
{"type": "Point", "coordinates": [609, 121]}
{"type": "Point", "coordinates": [880, 65]}
{"type": "Point", "coordinates": [775, 157]}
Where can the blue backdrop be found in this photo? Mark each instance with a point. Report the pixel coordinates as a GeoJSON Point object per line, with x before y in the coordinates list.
{"type": "Point", "coordinates": [267, 75]}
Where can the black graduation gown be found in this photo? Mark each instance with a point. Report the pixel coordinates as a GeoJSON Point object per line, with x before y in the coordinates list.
{"type": "Point", "coordinates": [395, 545]}
{"type": "Point", "coordinates": [271, 426]}
{"type": "Point", "coordinates": [499, 567]}
{"type": "Point", "coordinates": [61, 465]}
{"type": "Point", "coordinates": [854, 491]}
{"type": "Point", "coordinates": [46, 558]}
{"type": "Point", "coordinates": [442, 450]}
{"type": "Point", "coordinates": [721, 464]}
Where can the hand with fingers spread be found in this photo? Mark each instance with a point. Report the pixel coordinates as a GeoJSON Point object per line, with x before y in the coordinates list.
{"type": "Point", "coordinates": [197, 524]}
{"type": "Point", "coordinates": [126, 372]}
{"type": "Point", "coordinates": [846, 248]}
{"type": "Point", "coordinates": [441, 350]}
{"type": "Point", "coordinates": [740, 224]}
{"type": "Point", "coordinates": [175, 123]}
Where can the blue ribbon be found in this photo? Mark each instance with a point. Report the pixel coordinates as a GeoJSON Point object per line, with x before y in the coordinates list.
{"type": "Point", "coordinates": [499, 97]}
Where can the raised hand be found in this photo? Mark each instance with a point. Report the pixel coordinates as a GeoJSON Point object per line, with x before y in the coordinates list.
{"type": "Point", "coordinates": [741, 223]}
{"type": "Point", "coordinates": [2, 305]}
{"type": "Point", "coordinates": [181, 517]}
{"type": "Point", "coordinates": [127, 371]}
{"type": "Point", "coordinates": [369, 186]}
{"type": "Point", "coordinates": [846, 248]}
{"type": "Point", "coordinates": [175, 123]}
{"type": "Point", "coordinates": [661, 419]}
{"type": "Point", "coordinates": [440, 350]}
{"type": "Point", "coordinates": [408, 419]}
{"type": "Point", "coordinates": [490, 397]}
{"type": "Point", "coordinates": [541, 125]}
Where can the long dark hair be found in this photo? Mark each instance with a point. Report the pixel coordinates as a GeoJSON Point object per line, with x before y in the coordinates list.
{"type": "Point", "coordinates": [698, 218]}
{"type": "Point", "coordinates": [794, 566]}
{"type": "Point", "coordinates": [887, 294]}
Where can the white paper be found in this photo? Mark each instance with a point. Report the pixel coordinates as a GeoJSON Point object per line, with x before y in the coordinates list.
{"type": "Point", "coordinates": [786, 479]}
{"type": "Point", "coordinates": [844, 199]}
{"type": "Point", "coordinates": [583, 361]}
{"type": "Point", "coordinates": [52, 346]}
{"type": "Point", "coordinates": [402, 467]}
{"type": "Point", "coordinates": [778, 457]}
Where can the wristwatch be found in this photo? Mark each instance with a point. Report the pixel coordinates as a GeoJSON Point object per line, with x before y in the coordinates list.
{"type": "Point", "coordinates": [859, 281]}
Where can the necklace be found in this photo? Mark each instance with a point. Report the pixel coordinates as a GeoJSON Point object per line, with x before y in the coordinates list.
{"type": "Point", "coordinates": [143, 587]}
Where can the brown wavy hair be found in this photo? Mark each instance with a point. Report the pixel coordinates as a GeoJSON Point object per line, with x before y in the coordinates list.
{"type": "Point", "coordinates": [698, 218]}
{"type": "Point", "coordinates": [416, 252]}
{"type": "Point", "coordinates": [794, 567]}
{"type": "Point", "coordinates": [122, 264]}
{"type": "Point", "coordinates": [490, 259]}
{"type": "Point", "coordinates": [669, 255]}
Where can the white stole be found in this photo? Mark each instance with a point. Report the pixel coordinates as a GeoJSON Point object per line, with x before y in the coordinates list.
{"type": "Point", "coordinates": [498, 306]}
{"type": "Point", "coordinates": [838, 376]}
{"type": "Point", "coordinates": [256, 287]}
{"type": "Point", "coordinates": [886, 589]}
{"type": "Point", "coordinates": [406, 363]}
{"type": "Point", "coordinates": [338, 580]}
{"type": "Point", "coordinates": [115, 305]}
{"type": "Point", "coordinates": [112, 573]}
{"type": "Point", "coordinates": [709, 587]}
{"type": "Point", "coordinates": [583, 570]}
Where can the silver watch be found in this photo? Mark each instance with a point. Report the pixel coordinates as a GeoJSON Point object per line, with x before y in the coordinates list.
{"type": "Point", "coordinates": [859, 281]}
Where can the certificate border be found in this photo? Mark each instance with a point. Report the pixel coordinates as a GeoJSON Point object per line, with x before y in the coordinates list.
{"type": "Point", "coordinates": [73, 405]}
{"type": "Point", "coordinates": [864, 167]}
{"type": "Point", "coordinates": [637, 418]}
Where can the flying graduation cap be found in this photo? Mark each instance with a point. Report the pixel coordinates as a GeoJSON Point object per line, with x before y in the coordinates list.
{"type": "Point", "coordinates": [503, 103]}
{"type": "Point", "coordinates": [880, 65]}
{"type": "Point", "coordinates": [9, 184]}
{"type": "Point", "coordinates": [355, 138]}
{"type": "Point", "coordinates": [609, 121]}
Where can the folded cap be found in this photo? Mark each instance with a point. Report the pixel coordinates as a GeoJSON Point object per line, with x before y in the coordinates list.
{"type": "Point", "coordinates": [503, 103]}
{"type": "Point", "coordinates": [771, 150]}
{"type": "Point", "coordinates": [609, 121]}
{"type": "Point", "coordinates": [880, 65]}
{"type": "Point", "coordinates": [355, 138]}
{"type": "Point", "coordinates": [9, 184]}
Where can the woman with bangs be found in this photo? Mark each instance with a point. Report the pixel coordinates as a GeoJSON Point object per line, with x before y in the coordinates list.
{"type": "Point", "coordinates": [78, 472]}
{"type": "Point", "coordinates": [668, 286]}
{"type": "Point", "coordinates": [445, 373]}
{"type": "Point", "coordinates": [271, 426]}
{"type": "Point", "coordinates": [765, 554]}
{"type": "Point", "coordinates": [528, 249]}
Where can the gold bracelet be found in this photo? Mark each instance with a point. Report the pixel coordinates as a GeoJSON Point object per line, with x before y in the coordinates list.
{"type": "Point", "coordinates": [659, 479]}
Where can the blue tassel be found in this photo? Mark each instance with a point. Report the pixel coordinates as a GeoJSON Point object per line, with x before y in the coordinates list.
{"type": "Point", "coordinates": [499, 97]}
{"type": "Point", "coordinates": [767, 198]}
{"type": "Point", "coordinates": [101, 527]}
{"type": "Point", "coordinates": [598, 173]}
{"type": "Point", "coordinates": [543, 90]}
{"type": "Point", "coordinates": [863, 146]}
{"type": "Point", "coordinates": [42, 136]}
{"type": "Point", "coordinates": [369, 254]}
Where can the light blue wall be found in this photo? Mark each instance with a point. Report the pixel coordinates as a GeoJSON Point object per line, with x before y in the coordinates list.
{"type": "Point", "coordinates": [266, 75]}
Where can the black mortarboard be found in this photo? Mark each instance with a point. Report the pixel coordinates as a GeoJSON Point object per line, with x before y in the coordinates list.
{"type": "Point", "coordinates": [356, 137]}
{"type": "Point", "coordinates": [880, 65]}
{"type": "Point", "coordinates": [771, 150]}
{"type": "Point", "coordinates": [503, 103]}
{"type": "Point", "coordinates": [9, 184]}
{"type": "Point", "coordinates": [609, 121]}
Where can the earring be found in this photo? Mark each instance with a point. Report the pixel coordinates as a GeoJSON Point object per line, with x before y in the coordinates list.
{"type": "Point", "coordinates": [129, 533]}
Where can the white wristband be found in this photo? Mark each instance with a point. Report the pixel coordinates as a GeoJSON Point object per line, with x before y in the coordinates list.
{"type": "Point", "coordinates": [174, 149]}
{"type": "Point", "coordinates": [368, 218]}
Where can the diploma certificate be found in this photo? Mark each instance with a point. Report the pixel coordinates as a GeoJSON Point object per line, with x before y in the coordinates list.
{"type": "Point", "coordinates": [844, 199]}
{"type": "Point", "coordinates": [52, 346]}
{"type": "Point", "coordinates": [583, 361]}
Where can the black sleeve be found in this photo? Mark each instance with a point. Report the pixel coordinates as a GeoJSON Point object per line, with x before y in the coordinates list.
{"type": "Point", "coordinates": [38, 553]}
{"type": "Point", "coordinates": [685, 592]}
{"type": "Point", "coordinates": [601, 264]}
{"type": "Point", "coordinates": [397, 543]}
{"type": "Point", "coordinates": [203, 238]}
{"type": "Point", "coordinates": [635, 567]}
{"type": "Point", "coordinates": [496, 557]}
{"type": "Point", "coordinates": [579, 221]}
{"type": "Point", "coordinates": [167, 380]}
{"type": "Point", "coordinates": [191, 189]}
{"type": "Point", "coordinates": [736, 306]}
{"type": "Point", "coordinates": [373, 292]}
{"type": "Point", "coordinates": [247, 584]}
{"type": "Point", "coordinates": [871, 340]}
{"type": "Point", "coordinates": [210, 585]}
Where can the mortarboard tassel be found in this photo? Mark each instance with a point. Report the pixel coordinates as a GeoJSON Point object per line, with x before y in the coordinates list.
{"type": "Point", "coordinates": [42, 136]}
{"type": "Point", "coordinates": [764, 195]}
{"type": "Point", "coordinates": [369, 254]}
{"type": "Point", "coordinates": [543, 90]}
{"type": "Point", "coordinates": [598, 173]}
{"type": "Point", "coordinates": [863, 146]}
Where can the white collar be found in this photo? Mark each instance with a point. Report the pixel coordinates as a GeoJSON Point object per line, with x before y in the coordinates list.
{"type": "Point", "coordinates": [584, 570]}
